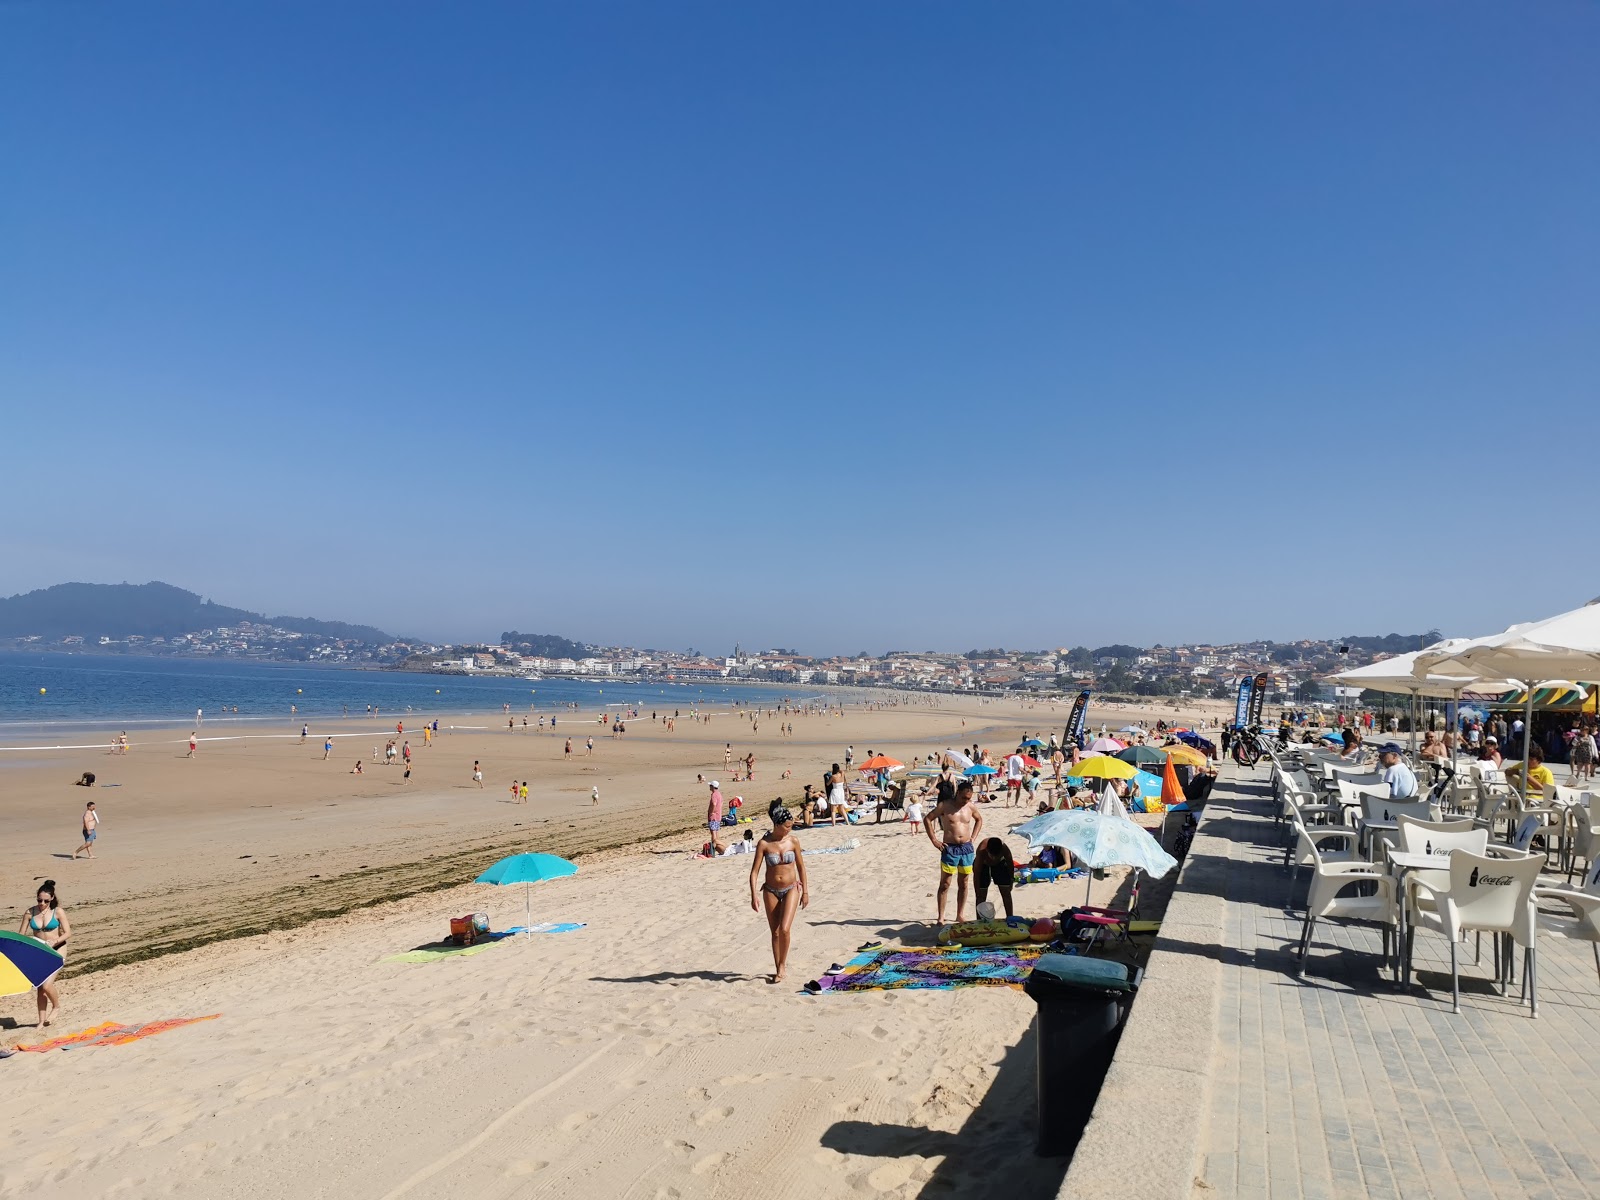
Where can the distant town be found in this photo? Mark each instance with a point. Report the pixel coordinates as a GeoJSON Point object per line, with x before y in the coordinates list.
{"type": "Point", "coordinates": [1295, 670]}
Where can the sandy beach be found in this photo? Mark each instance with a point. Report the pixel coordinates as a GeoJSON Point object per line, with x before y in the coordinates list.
{"type": "Point", "coordinates": [642, 1055]}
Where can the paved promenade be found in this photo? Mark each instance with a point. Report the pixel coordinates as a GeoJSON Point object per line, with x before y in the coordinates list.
{"type": "Point", "coordinates": [1338, 1085]}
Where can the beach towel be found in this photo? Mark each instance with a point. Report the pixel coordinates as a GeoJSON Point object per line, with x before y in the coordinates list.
{"type": "Point", "coordinates": [896, 967]}
{"type": "Point", "coordinates": [844, 849]}
{"type": "Point", "coordinates": [113, 1034]}
{"type": "Point", "coordinates": [428, 954]}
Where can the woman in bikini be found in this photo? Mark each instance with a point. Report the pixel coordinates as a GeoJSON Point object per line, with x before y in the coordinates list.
{"type": "Point", "coordinates": [47, 922]}
{"type": "Point", "coordinates": [785, 892]}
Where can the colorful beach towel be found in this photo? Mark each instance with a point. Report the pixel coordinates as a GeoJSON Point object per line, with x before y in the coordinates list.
{"type": "Point", "coordinates": [113, 1034]}
{"type": "Point", "coordinates": [934, 967]}
{"type": "Point", "coordinates": [551, 927]}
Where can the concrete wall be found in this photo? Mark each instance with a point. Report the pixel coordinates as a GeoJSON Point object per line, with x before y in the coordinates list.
{"type": "Point", "coordinates": [1147, 1135]}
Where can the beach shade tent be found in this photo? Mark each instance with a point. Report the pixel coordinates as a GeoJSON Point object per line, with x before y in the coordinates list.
{"type": "Point", "coordinates": [879, 762]}
{"type": "Point", "coordinates": [25, 963]}
{"type": "Point", "coordinates": [1104, 745]}
{"type": "Point", "coordinates": [1140, 755]}
{"type": "Point", "coordinates": [1104, 836]}
{"type": "Point", "coordinates": [1566, 646]}
{"type": "Point", "coordinates": [1101, 767]}
{"type": "Point", "coordinates": [527, 869]}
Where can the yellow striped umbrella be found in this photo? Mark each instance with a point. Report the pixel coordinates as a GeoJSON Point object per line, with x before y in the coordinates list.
{"type": "Point", "coordinates": [25, 963]}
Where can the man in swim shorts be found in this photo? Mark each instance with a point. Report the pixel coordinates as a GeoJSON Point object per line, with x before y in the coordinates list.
{"type": "Point", "coordinates": [953, 826]}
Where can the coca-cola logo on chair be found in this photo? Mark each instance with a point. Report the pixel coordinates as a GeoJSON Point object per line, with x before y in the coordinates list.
{"type": "Point", "coordinates": [1476, 880]}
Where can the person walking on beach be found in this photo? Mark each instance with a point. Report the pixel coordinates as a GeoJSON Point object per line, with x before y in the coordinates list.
{"type": "Point", "coordinates": [714, 810]}
{"type": "Point", "coordinates": [91, 831]}
{"type": "Point", "coordinates": [522, 793]}
{"type": "Point", "coordinates": [477, 774]}
{"type": "Point", "coordinates": [305, 732]}
{"type": "Point", "coordinates": [327, 748]}
{"type": "Point", "coordinates": [594, 794]}
{"type": "Point", "coordinates": [953, 826]}
{"type": "Point", "coordinates": [589, 746]}
{"type": "Point", "coordinates": [567, 753]}
{"type": "Point", "coordinates": [784, 891]}
{"type": "Point", "coordinates": [47, 922]}
{"type": "Point", "coordinates": [193, 744]}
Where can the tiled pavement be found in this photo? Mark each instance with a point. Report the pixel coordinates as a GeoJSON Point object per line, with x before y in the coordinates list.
{"type": "Point", "coordinates": [1339, 1085]}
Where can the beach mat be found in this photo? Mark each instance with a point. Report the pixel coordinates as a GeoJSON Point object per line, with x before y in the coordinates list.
{"type": "Point", "coordinates": [433, 953]}
{"type": "Point", "coordinates": [896, 967]}
{"type": "Point", "coordinates": [113, 1034]}
{"type": "Point", "coordinates": [844, 849]}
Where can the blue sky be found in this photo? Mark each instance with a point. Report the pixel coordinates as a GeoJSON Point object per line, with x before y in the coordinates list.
{"type": "Point", "coordinates": [831, 326]}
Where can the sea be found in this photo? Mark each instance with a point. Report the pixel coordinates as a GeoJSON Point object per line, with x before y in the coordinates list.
{"type": "Point", "coordinates": [60, 692]}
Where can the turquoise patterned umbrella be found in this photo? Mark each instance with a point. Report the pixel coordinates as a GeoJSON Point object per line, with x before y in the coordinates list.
{"type": "Point", "coordinates": [1099, 838]}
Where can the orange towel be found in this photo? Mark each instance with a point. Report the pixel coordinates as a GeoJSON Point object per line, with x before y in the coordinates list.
{"type": "Point", "coordinates": [113, 1034]}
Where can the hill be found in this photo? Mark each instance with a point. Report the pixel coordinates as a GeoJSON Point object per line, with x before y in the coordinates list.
{"type": "Point", "coordinates": [119, 610]}
{"type": "Point", "coordinates": [544, 645]}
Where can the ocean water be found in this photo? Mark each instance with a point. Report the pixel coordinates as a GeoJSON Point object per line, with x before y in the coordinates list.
{"type": "Point", "coordinates": [82, 690]}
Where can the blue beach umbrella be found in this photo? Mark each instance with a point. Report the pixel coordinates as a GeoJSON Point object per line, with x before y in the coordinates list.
{"type": "Point", "coordinates": [25, 963]}
{"type": "Point", "coordinates": [527, 869]}
{"type": "Point", "coordinates": [1331, 737]}
{"type": "Point", "coordinates": [980, 770]}
{"type": "Point", "coordinates": [1032, 742]}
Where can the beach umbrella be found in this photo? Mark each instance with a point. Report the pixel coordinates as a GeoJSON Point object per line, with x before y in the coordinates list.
{"type": "Point", "coordinates": [1130, 729]}
{"type": "Point", "coordinates": [1184, 754]}
{"type": "Point", "coordinates": [1099, 837]}
{"type": "Point", "coordinates": [1331, 737]}
{"type": "Point", "coordinates": [980, 770]}
{"type": "Point", "coordinates": [1190, 738]}
{"type": "Point", "coordinates": [1139, 755]}
{"type": "Point", "coordinates": [527, 869]}
{"type": "Point", "coordinates": [25, 963]}
{"type": "Point", "coordinates": [1104, 745]}
{"type": "Point", "coordinates": [880, 761]}
{"type": "Point", "coordinates": [1029, 761]}
{"type": "Point", "coordinates": [960, 759]}
{"type": "Point", "coordinates": [1171, 790]}
{"type": "Point", "coordinates": [1101, 767]}
{"type": "Point", "coordinates": [1032, 742]}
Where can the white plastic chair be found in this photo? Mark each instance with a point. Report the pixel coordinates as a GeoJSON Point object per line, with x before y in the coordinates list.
{"type": "Point", "coordinates": [1491, 895]}
{"type": "Point", "coordinates": [1326, 902]}
{"type": "Point", "coordinates": [1585, 906]}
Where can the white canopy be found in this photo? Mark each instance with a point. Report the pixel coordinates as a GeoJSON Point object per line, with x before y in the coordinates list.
{"type": "Point", "coordinates": [1400, 674]}
{"type": "Point", "coordinates": [1561, 647]}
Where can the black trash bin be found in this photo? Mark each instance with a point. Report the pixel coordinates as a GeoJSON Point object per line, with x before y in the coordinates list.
{"type": "Point", "coordinates": [1082, 1002]}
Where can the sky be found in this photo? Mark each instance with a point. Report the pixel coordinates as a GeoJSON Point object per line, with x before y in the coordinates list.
{"type": "Point", "coordinates": [837, 327]}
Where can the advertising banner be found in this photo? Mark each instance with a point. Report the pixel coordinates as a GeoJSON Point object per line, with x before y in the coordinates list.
{"type": "Point", "coordinates": [1080, 716]}
{"type": "Point", "coordinates": [1241, 709]}
{"type": "Point", "coordinates": [1258, 698]}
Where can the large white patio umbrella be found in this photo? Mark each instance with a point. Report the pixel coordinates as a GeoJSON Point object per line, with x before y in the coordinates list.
{"type": "Point", "coordinates": [1566, 646]}
{"type": "Point", "coordinates": [1401, 674]}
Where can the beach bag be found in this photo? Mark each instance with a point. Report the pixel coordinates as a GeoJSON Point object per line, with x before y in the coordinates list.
{"type": "Point", "coordinates": [466, 930]}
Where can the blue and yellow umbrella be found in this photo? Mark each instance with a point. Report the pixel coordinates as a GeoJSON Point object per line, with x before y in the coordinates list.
{"type": "Point", "coordinates": [25, 963]}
